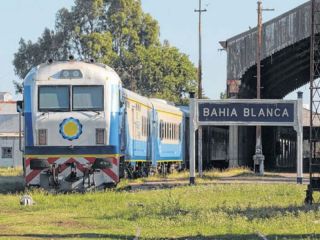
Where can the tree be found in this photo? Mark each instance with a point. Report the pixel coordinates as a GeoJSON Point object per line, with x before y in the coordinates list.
{"type": "Point", "coordinates": [119, 34]}
{"type": "Point", "coordinates": [223, 95]}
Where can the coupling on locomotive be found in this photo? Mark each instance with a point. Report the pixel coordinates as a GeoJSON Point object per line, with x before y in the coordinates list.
{"type": "Point", "coordinates": [82, 130]}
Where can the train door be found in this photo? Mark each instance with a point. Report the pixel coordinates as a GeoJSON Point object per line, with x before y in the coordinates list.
{"type": "Point", "coordinates": [133, 121]}
{"type": "Point", "coordinates": [139, 147]}
{"type": "Point", "coordinates": [149, 144]}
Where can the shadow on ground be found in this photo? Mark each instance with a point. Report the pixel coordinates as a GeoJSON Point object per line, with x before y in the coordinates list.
{"type": "Point", "coordinates": [199, 237]}
{"type": "Point", "coordinates": [252, 213]}
{"type": "Point", "coordinates": [11, 184]}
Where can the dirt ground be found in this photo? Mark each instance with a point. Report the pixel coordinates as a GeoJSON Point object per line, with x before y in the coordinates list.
{"type": "Point", "coordinates": [11, 184]}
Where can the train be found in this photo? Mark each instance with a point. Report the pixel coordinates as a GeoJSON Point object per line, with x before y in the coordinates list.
{"type": "Point", "coordinates": [83, 130]}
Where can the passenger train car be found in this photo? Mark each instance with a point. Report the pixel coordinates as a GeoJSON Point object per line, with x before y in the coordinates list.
{"type": "Point", "coordinates": [82, 130]}
{"type": "Point", "coordinates": [153, 132]}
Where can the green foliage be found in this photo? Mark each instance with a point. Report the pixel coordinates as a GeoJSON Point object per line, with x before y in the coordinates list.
{"type": "Point", "coordinates": [121, 35]}
{"type": "Point", "coordinates": [223, 95]}
{"type": "Point", "coordinates": [165, 73]}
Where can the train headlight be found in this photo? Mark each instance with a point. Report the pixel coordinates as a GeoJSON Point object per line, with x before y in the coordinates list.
{"type": "Point", "coordinates": [71, 74]}
{"type": "Point", "coordinates": [100, 136]}
{"type": "Point", "coordinates": [42, 137]}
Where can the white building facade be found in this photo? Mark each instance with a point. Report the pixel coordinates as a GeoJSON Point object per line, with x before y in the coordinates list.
{"type": "Point", "coordinates": [10, 155]}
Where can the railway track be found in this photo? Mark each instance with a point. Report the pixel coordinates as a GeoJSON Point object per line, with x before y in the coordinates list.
{"type": "Point", "coordinates": [11, 184]}
{"type": "Point", "coordinates": [269, 178]}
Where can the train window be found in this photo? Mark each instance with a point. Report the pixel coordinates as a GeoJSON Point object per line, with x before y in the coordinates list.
{"type": "Point", "coordinates": [165, 130]}
{"type": "Point", "coordinates": [177, 131]}
{"type": "Point", "coordinates": [172, 134]}
{"type": "Point", "coordinates": [173, 131]}
{"type": "Point", "coordinates": [87, 98]}
{"type": "Point", "coordinates": [142, 120]}
{"type": "Point", "coordinates": [144, 126]}
{"type": "Point", "coordinates": [161, 130]}
{"type": "Point", "coordinates": [53, 99]}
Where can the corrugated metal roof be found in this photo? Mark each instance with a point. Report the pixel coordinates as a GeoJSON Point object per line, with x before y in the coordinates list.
{"type": "Point", "coordinates": [278, 33]}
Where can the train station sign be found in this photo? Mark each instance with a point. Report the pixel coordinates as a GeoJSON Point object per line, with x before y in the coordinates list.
{"type": "Point", "coordinates": [244, 112]}
{"type": "Point", "coordinates": [247, 112]}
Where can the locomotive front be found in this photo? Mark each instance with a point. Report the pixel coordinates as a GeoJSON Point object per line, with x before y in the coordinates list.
{"type": "Point", "coordinates": [71, 126]}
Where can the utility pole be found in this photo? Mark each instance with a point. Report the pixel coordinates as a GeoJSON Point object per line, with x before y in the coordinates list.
{"type": "Point", "coordinates": [259, 157]}
{"type": "Point", "coordinates": [314, 133]}
{"type": "Point", "coordinates": [200, 11]}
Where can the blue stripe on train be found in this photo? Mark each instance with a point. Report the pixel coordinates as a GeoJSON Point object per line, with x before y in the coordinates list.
{"type": "Point", "coordinates": [114, 136]}
{"type": "Point", "coordinates": [75, 150]}
{"type": "Point", "coordinates": [167, 152]}
{"type": "Point", "coordinates": [28, 117]}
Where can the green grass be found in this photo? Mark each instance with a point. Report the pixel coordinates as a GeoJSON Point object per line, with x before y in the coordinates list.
{"type": "Point", "coordinates": [217, 211]}
{"type": "Point", "coordinates": [207, 175]}
{"type": "Point", "coordinates": [214, 211]}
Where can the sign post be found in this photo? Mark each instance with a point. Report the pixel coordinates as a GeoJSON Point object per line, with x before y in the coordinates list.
{"type": "Point", "coordinates": [241, 112]}
{"type": "Point", "coordinates": [299, 130]}
{"type": "Point", "coordinates": [192, 148]}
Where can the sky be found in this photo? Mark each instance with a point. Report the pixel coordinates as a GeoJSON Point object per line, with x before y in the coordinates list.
{"type": "Point", "coordinates": [178, 24]}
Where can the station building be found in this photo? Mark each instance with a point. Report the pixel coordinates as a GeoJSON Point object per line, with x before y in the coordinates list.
{"type": "Point", "coordinates": [10, 155]}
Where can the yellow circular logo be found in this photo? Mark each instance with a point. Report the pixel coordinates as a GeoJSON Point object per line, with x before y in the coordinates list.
{"type": "Point", "coordinates": [70, 128]}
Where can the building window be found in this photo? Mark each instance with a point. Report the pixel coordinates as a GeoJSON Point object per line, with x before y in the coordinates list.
{"type": "Point", "coordinates": [6, 152]}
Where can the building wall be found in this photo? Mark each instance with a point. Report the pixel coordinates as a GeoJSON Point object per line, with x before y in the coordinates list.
{"type": "Point", "coordinates": [8, 107]}
{"type": "Point", "coordinates": [9, 123]}
{"type": "Point", "coordinates": [10, 155]}
{"type": "Point", "coordinates": [5, 96]}
{"type": "Point", "coordinates": [16, 156]}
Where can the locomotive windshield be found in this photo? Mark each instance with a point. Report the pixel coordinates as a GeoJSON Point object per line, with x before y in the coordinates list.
{"type": "Point", "coordinates": [86, 98]}
{"type": "Point", "coordinates": [54, 98]}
